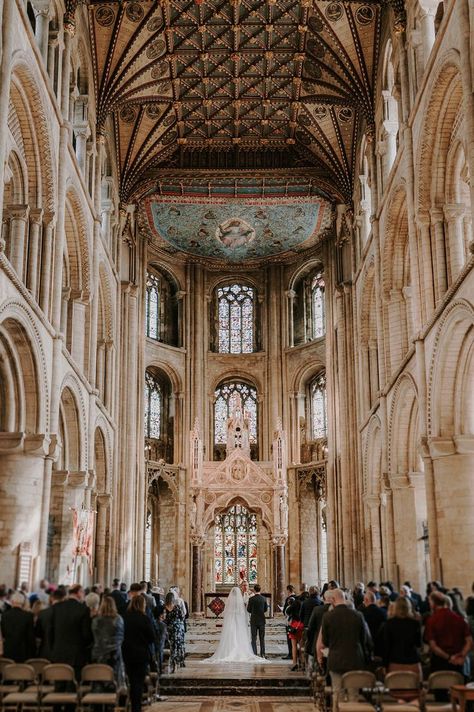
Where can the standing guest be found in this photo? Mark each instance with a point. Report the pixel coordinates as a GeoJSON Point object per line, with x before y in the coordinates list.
{"type": "Point", "coordinates": [244, 589]}
{"type": "Point", "coordinates": [415, 598]}
{"type": "Point", "coordinates": [358, 595]}
{"type": "Point", "coordinates": [402, 641]}
{"type": "Point", "coordinates": [447, 634]}
{"type": "Point", "coordinates": [333, 585]}
{"type": "Point", "coordinates": [156, 592]}
{"type": "Point", "coordinates": [42, 593]}
{"type": "Point", "coordinates": [138, 637]}
{"type": "Point", "coordinates": [290, 597]}
{"type": "Point", "coordinates": [375, 616]}
{"type": "Point", "coordinates": [296, 630]}
{"type": "Point", "coordinates": [108, 633]}
{"type": "Point", "coordinates": [70, 631]}
{"type": "Point", "coordinates": [43, 623]}
{"type": "Point", "coordinates": [314, 625]}
{"type": "Point", "coordinates": [162, 639]}
{"type": "Point", "coordinates": [18, 630]}
{"type": "Point", "coordinates": [150, 601]}
{"type": "Point", "coordinates": [311, 602]}
{"type": "Point", "coordinates": [175, 623]}
{"type": "Point", "coordinates": [372, 586]}
{"type": "Point", "coordinates": [119, 596]}
{"type": "Point", "coordinates": [345, 633]}
{"type": "Point", "coordinates": [4, 602]}
{"type": "Point", "coordinates": [92, 601]}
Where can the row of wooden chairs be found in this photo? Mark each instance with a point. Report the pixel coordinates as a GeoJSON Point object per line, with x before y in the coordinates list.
{"type": "Point", "coordinates": [398, 692]}
{"type": "Point", "coordinates": [39, 684]}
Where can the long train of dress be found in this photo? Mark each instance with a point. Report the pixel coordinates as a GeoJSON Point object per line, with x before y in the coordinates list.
{"type": "Point", "coordinates": [234, 644]}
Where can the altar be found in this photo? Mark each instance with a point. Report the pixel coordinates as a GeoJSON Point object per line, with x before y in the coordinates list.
{"type": "Point", "coordinates": [214, 604]}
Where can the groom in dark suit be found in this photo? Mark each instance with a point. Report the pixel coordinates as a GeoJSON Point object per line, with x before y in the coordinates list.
{"type": "Point", "coordinates": [257, 607]}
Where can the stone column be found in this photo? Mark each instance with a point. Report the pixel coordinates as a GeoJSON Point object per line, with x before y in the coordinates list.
{"type": "Point", "coordinates": [197, 544]}
{"type": "Point", "coordinates": [427, 269]}
{"type": "Point", "coordinates": [46, 262]}
{"type": "Point", "coordinates": [101, 537]}
{"type": "Point", "coordinates": [279, 585]}
{"type": "Point", "coordinates": [427, 18]}
{"type": "Point", "coordinates": [18, 234]}
{"type": "Point", "coordinates": [41, 30]}
{"type": "Point", "coordinates": [454, 214]}
{"type": "Point", "coordinates": [82, 133]}
{"type": "Point", "coordinates": [440, 274]}
{"type": "Point", "coordinates": [36, 217]}
{"type": "Point", "coordinates": [8, 29]}
{"type": "Point", "coordinates": [291, 294]}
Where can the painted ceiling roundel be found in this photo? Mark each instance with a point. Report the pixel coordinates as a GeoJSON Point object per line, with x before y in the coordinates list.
{"type": "Point", "coordinates": [236, 230]}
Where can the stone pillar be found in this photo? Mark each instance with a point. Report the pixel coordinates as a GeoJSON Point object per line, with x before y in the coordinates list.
{"type": "Point", "coordinates": [18, 234]}
{"type": "Point", "coordinates": [82, 133]}
{"type": "Point", "coordinates": [427, 18]}
{"type": "Point", "coordinates": [279, 572]}
{"type": "Point", "coordinates": [101, 537]}
{"type": "Point", "coordinates": [42, 30]}
{"type": "Point", "coordinates": [426, 264]}
{"type": "Point", "coordinates": [291, 294]}
{"type": "Point", "coordinates": [46, 262]}
{"type": "Point", "coordinates": [453, 465]}
{"type": "Point", "coordinates": [36, 217]}
{"type": "Point", "coordinates": [454, 215]}
{"type": "Point", "coordinates": [8, 29]}
{"type": "Point", "coordinates": [439, 249]}
{"type": "Point", "coordinates": [197, 544]}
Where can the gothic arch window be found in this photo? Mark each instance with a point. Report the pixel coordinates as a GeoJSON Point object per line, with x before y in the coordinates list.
{"type": "Point", "coordinates": [308, 307]}
{"type": "Point", "coordinates": [227, 397]}
{"type": "Point", "coordinates": [153, 407]}
{"type": "Point", "coordinates": [158, 416]}
{"type": "Point", "coordinates": [162, 316]}
{"type": "Point", "coordinates": [235, 305]}
{"type": "Point", "coordinates": [235, 547]}
{"type": "Point", "coordinates": [318, 315]}
{"type": "Point", "coordinates": [318, 407]}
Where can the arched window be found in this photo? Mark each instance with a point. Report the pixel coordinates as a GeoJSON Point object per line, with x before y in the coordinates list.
{"type": "Point", "coordinates": [228, 397]}
{"type": "Point", "coordinates": [318, 317]}
{"type": "Point", "coordinates": [318, 407]}
{"type": "Point", "coordinates": [235, 319]}
{"type": "Point", "coordinates": [153, 407]}
{"type": "Point", "coordinates": [235, 547]}
{"type": "Point", "coordinates": [162, 314]}
{"type": "Point", "coordinates": [307, 307]}
{"type": "Point", "coordinates": [152, 306]}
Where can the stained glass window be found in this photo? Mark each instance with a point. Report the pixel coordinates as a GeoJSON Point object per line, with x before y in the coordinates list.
{"type": "Point", "coordinates": [226, 398]}
{"type": "Point", "coordinates": [152, 306]}
{"type": "Point", "coordinates": [235, 547]}
{"type": "Point", "coordinates": [318, 315]}
{"type": "Point", "coordinates": [318, 407]}
{"type": "Point", "coordinates": [235, 313]}
{"type": "Point", "coordinates": [153, 407]}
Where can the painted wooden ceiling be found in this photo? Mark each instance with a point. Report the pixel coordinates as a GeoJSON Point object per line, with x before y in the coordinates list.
{"type": "Point", "coordinates": [272, 86]}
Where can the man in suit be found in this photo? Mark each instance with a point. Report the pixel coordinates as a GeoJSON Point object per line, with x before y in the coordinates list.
{"type": "Point", "coordinates": [257, 607]}
{"type": "Point", "coordinates": [345, 632]}
{"type": "Point", "coordinates": [43, 622]}
{"type": "Point", "coordinates": [375, 616]}
{"type": "Point", "coordinates": [18, 630]}
{"type": "Point", "coordinates": [314, 624]}
{"type": "Point", "coordinates": [120, 597]}
{"type": "Point", "coordinates": [70, 633]}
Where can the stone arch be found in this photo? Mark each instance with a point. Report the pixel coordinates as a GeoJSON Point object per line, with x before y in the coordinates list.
{"type": "Point", "coordinates": [73, 417]}
{"type": "Point", "coordinates": [368, 344]}
{"type": "Point", "coordinates": [161, 446]}
{"type": "Point", "coordinates": [303, 269]}
{"type": "Point", "coordinates": [29, 411]}
{"type": "Point", "coordinates": [305, 373]}
{"type": "Point", "coordinates": [403, 445]}
{"type": "Point", "coordinates": [28, 105]}
{"type": "Point", "coordinates": [443, 108]}
{"type": "Point", "coordinates": [250, 500]}
{"type": "Point", "coordinates": [77, 245]}
{"type": "Point", "coordinates": [373, 458]}
{"type": "Point", "coordinates": [451, 363]}
{"type": "Point", "coordinates": [101, 426]}
{"type": "Point", "coordinates": [237, 374]}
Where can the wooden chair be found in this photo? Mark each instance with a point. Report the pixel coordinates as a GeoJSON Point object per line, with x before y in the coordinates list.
{"type": "Point", "coordinates": [64, 675]}
{"type": "Point", "coordinates": [404, 682]}
{"type": "Point", "coordinates": [22, 675]}
{"type": "Point", "coordinates": [441, 680]}
{"type": "Point", "coordinates": [365, 683]}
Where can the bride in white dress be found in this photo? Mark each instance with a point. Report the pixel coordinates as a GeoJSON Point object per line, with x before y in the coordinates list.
{"type": "Point", "coordinates": [234, 644]}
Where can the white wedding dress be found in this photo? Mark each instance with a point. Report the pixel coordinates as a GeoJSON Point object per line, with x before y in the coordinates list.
{"type": "Point", "coordinates": [234, 644]}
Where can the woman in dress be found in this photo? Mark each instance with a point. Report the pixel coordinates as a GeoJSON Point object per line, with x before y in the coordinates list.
{"type": "Point", "coordinates": [108, 632]}
{"type": "Point", "coordinates": [234, 644]}
{"type": "Point", "coordinates": [174, 620]}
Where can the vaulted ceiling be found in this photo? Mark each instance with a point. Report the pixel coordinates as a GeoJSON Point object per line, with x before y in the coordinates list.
{"type": "Point", "coordinates": [197, 87]}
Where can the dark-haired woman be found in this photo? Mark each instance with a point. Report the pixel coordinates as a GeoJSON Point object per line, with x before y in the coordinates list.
{"type": "Point", "coordinates": [138, 637]}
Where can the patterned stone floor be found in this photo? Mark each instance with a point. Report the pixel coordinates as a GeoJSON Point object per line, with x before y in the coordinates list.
{"type": "Point", "coordinates": [228, 704]}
